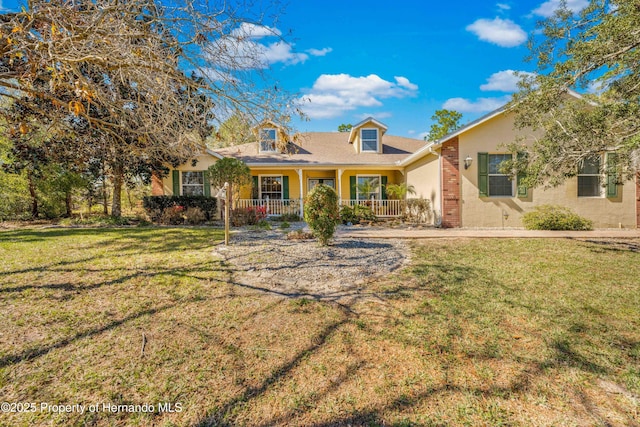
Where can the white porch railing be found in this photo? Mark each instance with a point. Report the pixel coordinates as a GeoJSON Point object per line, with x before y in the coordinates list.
{"type": "Point", "coordinates": [380, 208]}
{"type": "Point", "coordinates": [272, 207]}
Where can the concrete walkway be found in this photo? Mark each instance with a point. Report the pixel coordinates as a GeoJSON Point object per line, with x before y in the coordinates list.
{"type": "Point", "coordinates": [433, 233]}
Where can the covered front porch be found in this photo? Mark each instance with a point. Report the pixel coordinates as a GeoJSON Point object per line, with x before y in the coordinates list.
{"type": "Point", "coordinates": [280, 191]}
{"type": "Point", "coordinates": [275, 207]}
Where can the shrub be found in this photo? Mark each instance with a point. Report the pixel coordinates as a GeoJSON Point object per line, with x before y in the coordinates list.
{"type": "Point", "coordinates": [172, 216]}
{"type": "Point", "coordinates": [552, 217]}
{"type": "Point", "coordinates": [263, 224]}
{"type": "Point", "coordinates": [290, 217]}
{"type": "Point", "coordinates": [285, 225]}
{"type": "Point", "coordinates": [194, 216]}
{"type": "Point", "coordinates": [248, 216]}
{"type": "Point", "coordinates": [156, 205]}
{"type": "Point", "coordinates": [356, 214]}
{"type": "Point", "coordinates": [321, 212]}
{"type": "Point", "coordinates": [299, 235]}
{"type": "Point", "coordinates": [417, 210]}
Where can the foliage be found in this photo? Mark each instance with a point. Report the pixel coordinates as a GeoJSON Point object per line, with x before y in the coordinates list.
{"type": "Point", "coordinates": [156, 205]}
{"type": "Point", "coordinates": [194, 216]}
{"type": "Point", "coordinates": [263, 225]}
{"type": "Point", "coordinates": [284, 225]}
{"type": "Point", "coordinates": [356, 214]}
{"type": "Point", "coordinates": [321, 212]}
{"type": "Point", "coordinates": [345, 127]}
{"type": "Point", "coordinates": [235, 130]}
{"type": "Point", "coordinates": [299, 235]}
{"type": "Point", "coordinates": [14, 194]}
{"type": "Point", "coordinates": [552, 217]}
{"type": "Point", "coordinates": [597, 51]}
{"type": "Point", "coordinates": [400, 191]}
{"type": "Point", "coordinates": [229, 170]}
{"type": "Point", "coordinates": [127, 101]}
{"type": "Point", "coordinates": [447, 121]}
{"type": "Point", "coordinates": [289, 217]}
{"type": "Point", "coordinates": [248, 216]}
{"type": "Point", "coordinates": [417, 211]}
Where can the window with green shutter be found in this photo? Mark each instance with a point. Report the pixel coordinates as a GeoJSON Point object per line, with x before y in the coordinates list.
{"type": "Point", "coordinates": [353, 191]}
{"type": "Point", "coordinates": [483, 174]}
{"type": "Point", "coordinates": [175, 177]}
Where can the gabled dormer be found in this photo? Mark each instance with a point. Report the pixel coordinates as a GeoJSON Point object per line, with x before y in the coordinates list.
{"type": "Point", "coordinates": [366, 136]}
{"type": "Point", "coordinates": [271, 137]}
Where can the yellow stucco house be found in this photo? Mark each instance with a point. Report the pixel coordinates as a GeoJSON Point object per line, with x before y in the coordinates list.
{"type": "Point", "coordinates": [458, 174]}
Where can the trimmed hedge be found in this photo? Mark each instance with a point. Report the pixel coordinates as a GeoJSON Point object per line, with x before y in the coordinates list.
{"type": "Point", "coordinates": [155, 206]}
{"type": "Point", "coordinates": [553, 217]}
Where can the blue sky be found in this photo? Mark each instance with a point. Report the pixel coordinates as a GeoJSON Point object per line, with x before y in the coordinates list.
{"type": "Point", "coordinates": [398, 61]}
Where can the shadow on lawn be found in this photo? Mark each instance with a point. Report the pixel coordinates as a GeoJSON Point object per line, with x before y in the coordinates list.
{"type": "Point", "coordinates": [128, 240]}
{"type": "Point", "coordinates": [438, 279]}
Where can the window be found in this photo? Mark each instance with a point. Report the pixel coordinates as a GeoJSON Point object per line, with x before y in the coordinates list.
{"type": "Point", "coordinates": [315, 181]}
{"type": "Point", "coordinates": [499, 183]}
{"type": "Point", "coordinates": [369, 138]}
{"type": "Point", "coordinates": [193, 183]}
{"type": "Point", "coordinates": [368, 187]}
{"type": "Point", "coordinates": [271, 187]}
{"type": "Point", "coordinates": [589, 178]}
{"type": "Point", "coordinates": [268, 140]}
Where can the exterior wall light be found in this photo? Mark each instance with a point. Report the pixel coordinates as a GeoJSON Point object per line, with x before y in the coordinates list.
{"type": "Point", "coordinates": [467, 162]}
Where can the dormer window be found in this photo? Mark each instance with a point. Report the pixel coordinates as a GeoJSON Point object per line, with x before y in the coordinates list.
{"type": "Point", "coordinates": [268, 140]}
{"type": "Point", "coordinates": [369, 140]}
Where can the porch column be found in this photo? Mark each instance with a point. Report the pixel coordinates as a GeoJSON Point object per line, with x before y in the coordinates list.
{"type": "Point", "coordinates": [340, 172]}
{"type": "Point", "coordinates": [301, 193]}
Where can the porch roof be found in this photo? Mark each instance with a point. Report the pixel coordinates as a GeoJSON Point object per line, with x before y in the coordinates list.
{"type": "Point", "coordinates": [326, 148]}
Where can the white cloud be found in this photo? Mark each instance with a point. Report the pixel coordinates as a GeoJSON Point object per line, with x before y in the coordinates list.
{"type": "Point", "coordinates": [319, 52]}
{"type": "Point", "coordinates": [335, 94]}
{"type": "Point", "coordinates": [281, 52]}
{"type": "Point", "coordinates": [254, 31]}
{"type": "Point", "coordinates": [503, 81]}
{"type": "Point", "coordinates": [480, 105]}
{"type": "Point", "coordinates": [503, 6]}
{"type": "Point", "coordinates": [547, 8]}
{"type": "Point", "coordinates": [405, 83]}
{"type": "Point", "coordinates": [244, 48]}
{"type": "Point", "coordinates": [503, 32]}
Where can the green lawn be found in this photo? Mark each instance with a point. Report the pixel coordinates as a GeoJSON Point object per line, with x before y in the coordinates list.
{"type": "Point", "coordinates": [473, 332]}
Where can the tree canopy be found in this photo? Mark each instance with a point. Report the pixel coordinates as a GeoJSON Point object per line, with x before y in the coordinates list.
{"type": "Point", "coordinates": [136, 83]}
{"type": "Point", "coordinates": [447, 121]}
{"type": "Point", "coordinates": [597, 52]}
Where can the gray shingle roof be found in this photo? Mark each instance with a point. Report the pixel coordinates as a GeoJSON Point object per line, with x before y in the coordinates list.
{"type": "Point", "coordinates": [326, 148]}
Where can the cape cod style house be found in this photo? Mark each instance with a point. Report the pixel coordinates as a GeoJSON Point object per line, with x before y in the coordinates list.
{"type": "Point", "coordinates": [458, 174]}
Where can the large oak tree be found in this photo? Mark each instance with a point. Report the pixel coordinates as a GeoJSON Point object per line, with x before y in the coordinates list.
{"type": "Point", "coordinates": [132, 82]}
{"type": "Point", "coordinates": [596, 52]}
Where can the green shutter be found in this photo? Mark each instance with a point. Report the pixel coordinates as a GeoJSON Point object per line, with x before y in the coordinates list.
{"type": "Point", "coordinates": [255, 190]}
{"type": "Point", "coordinates": [207, 184]}
{"type": "Point", "coordinates": [352, 188]}
{"type": "Point", "coordinates": [176, 182]}
{"type": "Point", "coordinates": [612, 176]}
{"type": "Point", "coordinates": [523, 191]}
{"type": "Point", "coordinates": [483, 174]}
{"type": "Point", "coordinates": [384, 188]}
{"type": "Point", "coordinates": [285, 187]}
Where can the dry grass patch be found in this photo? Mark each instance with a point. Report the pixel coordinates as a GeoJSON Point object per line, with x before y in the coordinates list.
{"type": "Point", "coordinates": [474, 332]}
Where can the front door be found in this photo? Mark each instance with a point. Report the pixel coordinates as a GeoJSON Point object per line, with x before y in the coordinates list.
{"type": "Point", "coordinates": [315, 181]}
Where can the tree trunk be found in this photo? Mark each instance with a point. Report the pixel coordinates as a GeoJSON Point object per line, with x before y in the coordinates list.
{"type": "Point", "coordinates": [116, 202]}
{"type": "Point", "coordinates": [68, 201]}
{"type": "Point", "coordinates": [34, 196]}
